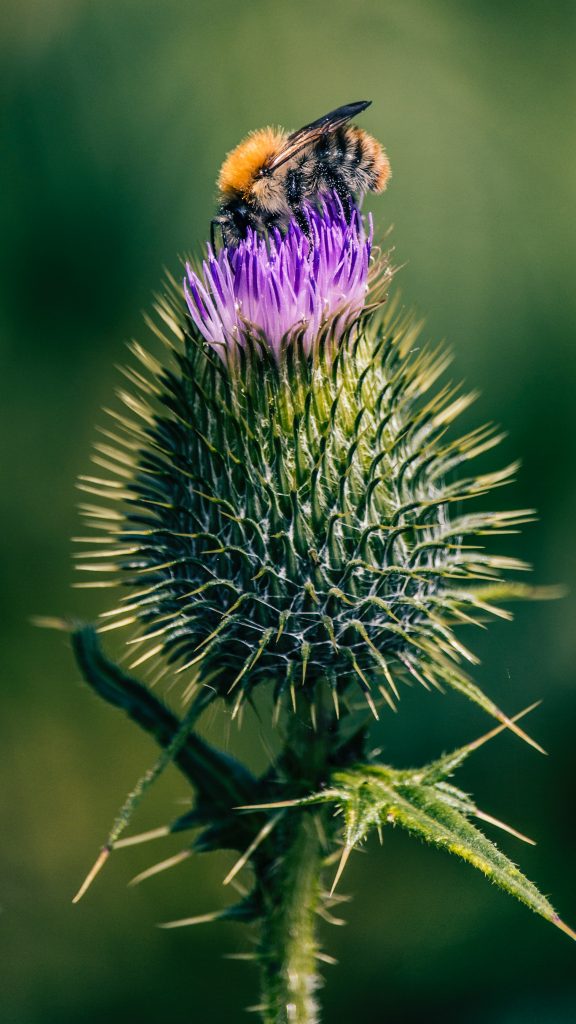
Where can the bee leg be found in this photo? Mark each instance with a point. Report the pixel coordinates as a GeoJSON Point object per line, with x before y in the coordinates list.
{"type": "Point", "coordinates": [213, 224]}
{"type": "Point", "coordinates": [337, 184]}
{"type": "Point", "coordinates": [302, 221]}
{"type": "Point", "coordinates": [295, 196]}
{"type": "Point", "coordinates": [222, 222]}
{"type": "Point", "coordinates": [345, 199]}
{"type": "Point", "coordinates": [295, 186]}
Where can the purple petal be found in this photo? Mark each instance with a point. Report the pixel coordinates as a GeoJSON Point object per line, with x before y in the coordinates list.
{"type": "Point", "coordinates": [285, 284]}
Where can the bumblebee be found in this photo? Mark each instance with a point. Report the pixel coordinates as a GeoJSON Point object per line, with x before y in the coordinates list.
{"type": "Point", "coordinates": [266, 180]}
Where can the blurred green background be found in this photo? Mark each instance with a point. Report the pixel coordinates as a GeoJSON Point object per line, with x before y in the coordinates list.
{"type": "Point", "coordinates": [115, 117]}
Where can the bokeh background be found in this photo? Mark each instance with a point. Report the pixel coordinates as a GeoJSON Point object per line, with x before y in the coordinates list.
{"type": "Point", "coordinates": [115, 117]}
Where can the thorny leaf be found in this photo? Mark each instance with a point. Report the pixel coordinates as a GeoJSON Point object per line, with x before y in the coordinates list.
{"type": "Point", "coordinates": [422, 802]}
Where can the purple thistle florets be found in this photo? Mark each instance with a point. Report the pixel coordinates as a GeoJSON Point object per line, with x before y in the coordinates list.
{"type": "Point", "coordinates": [276, 288]}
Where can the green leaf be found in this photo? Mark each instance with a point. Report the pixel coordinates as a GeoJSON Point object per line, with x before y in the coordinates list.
{"type": "Point", "coordinates": [422, 802]}
{"type": "Point", "coordinates": [371, 795]}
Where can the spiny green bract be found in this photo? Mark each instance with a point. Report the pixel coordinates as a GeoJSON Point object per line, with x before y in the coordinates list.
{"type": "Point", "coordinates": [422, 801]}
{"type": "Point", "coordinates": [298, 522]}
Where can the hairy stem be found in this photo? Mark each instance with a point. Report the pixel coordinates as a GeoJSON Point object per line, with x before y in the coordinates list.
{"type": "Point", "coordinates": [288, 948]}
{"type": "Point", "coordinates": [291, 886]}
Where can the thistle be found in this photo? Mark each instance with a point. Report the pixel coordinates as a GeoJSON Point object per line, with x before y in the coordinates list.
{"type": "Point", "coordinates": [290, 513]}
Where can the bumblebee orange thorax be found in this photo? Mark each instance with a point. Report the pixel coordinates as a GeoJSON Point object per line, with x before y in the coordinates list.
{"type": "Point", "coordinates": [242, 164]}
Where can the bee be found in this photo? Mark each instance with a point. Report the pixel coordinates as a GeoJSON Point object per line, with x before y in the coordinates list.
{"type": "Point", "coordinates": [267, 179]}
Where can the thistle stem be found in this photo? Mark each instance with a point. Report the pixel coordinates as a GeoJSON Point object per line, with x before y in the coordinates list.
{"type": "Point", "coordinates": [292, 885]}
{"type": "Point", "coordinates": [288, 948]}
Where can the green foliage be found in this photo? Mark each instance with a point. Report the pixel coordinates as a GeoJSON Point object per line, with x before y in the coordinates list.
{"type": "Point", "coordinates": [421, 801]}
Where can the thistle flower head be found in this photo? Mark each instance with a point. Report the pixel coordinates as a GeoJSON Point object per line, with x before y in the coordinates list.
{"type": "Point", "coordinates": [289, 514]}
{"type": "Point", "coordinates": [278, 287]}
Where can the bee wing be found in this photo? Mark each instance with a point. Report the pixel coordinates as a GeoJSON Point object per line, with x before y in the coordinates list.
{"type": "Point", "coordinates": [312, 132]}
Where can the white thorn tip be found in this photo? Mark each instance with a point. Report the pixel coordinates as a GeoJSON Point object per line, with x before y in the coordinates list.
{"type": "Point", "coordinates": [94, 870]}
{"type": "Point", "coordinates": [142, 837]}
{"type": "Point", "coordinates": [505, 828]}
{"type": "Point", "coordinates": [162, 865]}
{"type": "Point", "coordinates": [343, 861]}
{"type": "Point", "coordinates": [187, 921]}
{"type": "Point", "coordinates": [563, 927]}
